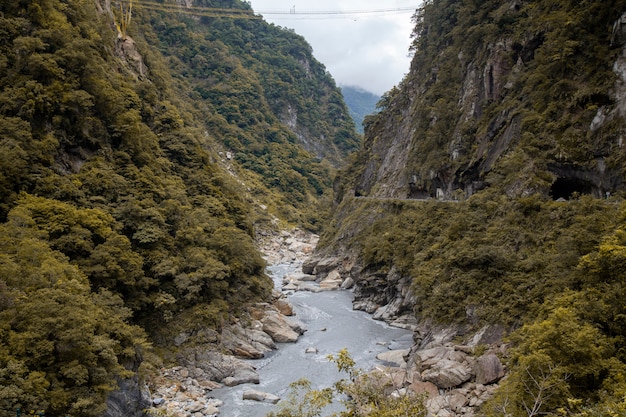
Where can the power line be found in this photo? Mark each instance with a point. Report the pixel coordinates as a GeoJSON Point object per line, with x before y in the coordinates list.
{"type": "Point", "coordinates": [334, 14]}
{"type": "Point", "coordinates": [197, 10]}
{"type": "Point", "coordinates": [339, 12]}
{"type": "Point", "coordinates": [250, 14]}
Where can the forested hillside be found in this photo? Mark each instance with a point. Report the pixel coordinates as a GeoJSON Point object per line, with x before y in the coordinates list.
{"type": "Point", "coordinates": [138, 153]}
{"type": "Point", "coordinates": [488, 194]}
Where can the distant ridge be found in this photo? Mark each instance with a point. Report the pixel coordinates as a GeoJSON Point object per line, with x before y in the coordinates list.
{"type": "Point", "coordinates": [360, 103]}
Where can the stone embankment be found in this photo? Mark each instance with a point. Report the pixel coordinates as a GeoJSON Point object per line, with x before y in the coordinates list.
{"type": "Point", "coordinates": [209, 360]}
{"type": "Point", "coordinates": [455, 378]}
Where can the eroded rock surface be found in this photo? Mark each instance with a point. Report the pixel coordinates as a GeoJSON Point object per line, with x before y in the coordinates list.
{"type": "Point", "coordinates": [456, 378]}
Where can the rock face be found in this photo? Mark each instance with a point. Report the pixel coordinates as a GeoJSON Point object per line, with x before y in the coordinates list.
{"type": "Point", "coordinates": [446, 373]}
{"type": "Point", "coordinates": [488, 369]}
{"type": "Point", "coordinates": [387, 297]}
{"type": "Point", "coordinates": [429, 144]}
{"type": "Point", "coordinates": [128, 401]}
{"type": "Point", "coordinates": [260, 396]}
{"type": "Point", "coordinates": [279, 329]}
{"type": "Point", "coordinates": [395, 357]}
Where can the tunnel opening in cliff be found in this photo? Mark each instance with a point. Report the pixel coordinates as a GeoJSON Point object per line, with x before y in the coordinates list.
{"type": "Point", "coordinates": [566, 187]}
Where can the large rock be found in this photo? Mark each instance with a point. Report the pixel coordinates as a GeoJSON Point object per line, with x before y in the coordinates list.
{"type": "Point", "coordinates": [332, 281]}
{"type": "Point", "coordinates": [387, 379]}
{"type": "Point", "coordinates": [456, 401]}
{"type": "Point", "coordinates": [488, 369]}
{"type": "Point", "coordinates": [421, 387]}
{"type": "Point", "coordinates": [325, 265]}
{"type": "Point", "coordinates": [235, 339]}
{"type": "Point", "coordinates": [297, 277]}
{"type": "Point", "coordinates": [308, 266]}
{"type": "Point", "coordinates": [447, 374]}
{"type": "Point", "coordinates": [301, 248]}
{"type": "Point", "coordinates": [211, 410]}
{"type": "Point", "coordinates": [406, 321]}
{"type": "Point", "coordinates": [368, 306]}
{"type": "Point", "coordinates": [215, 366]}
{"type": "Point", "coordinates": [433, 355]}
{"type": "Point", "coordinates": [395, 357]}
{"type": "Point", "coordinates": [295, 324]}
{"type": "Point", "coordinates": [347, 283]}
{"type": "Point", "coordinates": [242, 376]}
{"type": "Point", "coordinates": [284, 307]}
{"type": "Point", "coordinates": [260, 396]}
{"type": "Point", "coordinates": [259, 337]}
{"type": "Point", "coordinates": [130, 400]}
{"type": "Point", "coordinates": [389, 311]}
{"type": "Point", "coordinates": [279, 329]}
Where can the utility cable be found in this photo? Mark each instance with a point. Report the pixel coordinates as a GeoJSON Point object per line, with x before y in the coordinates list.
{"type": "Point", "coordinates": [251, 14]}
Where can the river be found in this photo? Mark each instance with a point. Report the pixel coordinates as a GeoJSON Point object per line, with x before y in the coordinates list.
{"type": "Point", "coordinates": [331, 326]}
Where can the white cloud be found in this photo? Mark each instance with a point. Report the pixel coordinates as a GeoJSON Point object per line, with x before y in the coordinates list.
{"type": "Point", "coordinates": [368, 50]}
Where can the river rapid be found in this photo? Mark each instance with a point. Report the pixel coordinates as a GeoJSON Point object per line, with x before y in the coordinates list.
{"type": "Point", "coordinates": [331, 326]}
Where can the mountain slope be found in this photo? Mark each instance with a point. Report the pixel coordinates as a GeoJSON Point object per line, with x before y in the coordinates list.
{"type": "Point", "coordinates": [139, 154]}
{"type": "Point", "coordinates": [487, 196]}
{"type": "Point", "coordinates": [505, 84]}
{"type": "Point", "coordinates": [360, 103]}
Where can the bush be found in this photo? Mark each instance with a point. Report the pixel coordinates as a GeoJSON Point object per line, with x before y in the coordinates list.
{"type": "Point", "coordinates": [363, 394]}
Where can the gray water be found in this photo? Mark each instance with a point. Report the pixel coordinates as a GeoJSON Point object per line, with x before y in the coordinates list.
{"type": "Point", "coordinates": [331, 326]}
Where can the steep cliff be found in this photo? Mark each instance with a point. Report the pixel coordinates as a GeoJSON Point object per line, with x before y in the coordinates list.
{"type": "Point", "coordinates": [510, 103]}
{"type": "Point", "coordinates": [486, 199]}
{"type": "Point", "coordinates": [522, 96]}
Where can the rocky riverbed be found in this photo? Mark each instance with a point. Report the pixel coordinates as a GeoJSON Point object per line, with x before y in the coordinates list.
{"type": "Point", "coordinates": [457, 368]}
{"type": "Point", "coordinates": [185, 390]}
{"type": "Point", "coordinates": [455, 378]}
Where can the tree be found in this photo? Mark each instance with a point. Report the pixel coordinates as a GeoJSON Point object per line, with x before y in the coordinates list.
{"type": "Point", "coordinates": [363, 394]}
{"type": "Point", "coordinates": [62, 347]}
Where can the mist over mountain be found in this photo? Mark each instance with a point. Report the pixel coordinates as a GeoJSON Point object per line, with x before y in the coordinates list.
{"type": "Point", "coordinates": [360, 104]}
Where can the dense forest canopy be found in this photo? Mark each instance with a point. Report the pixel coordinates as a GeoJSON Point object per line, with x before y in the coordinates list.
{"type": "Point", "coordinates": [138, 153]}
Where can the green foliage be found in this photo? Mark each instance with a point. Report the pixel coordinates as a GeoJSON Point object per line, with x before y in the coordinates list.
{"type": "Point", "coordinates": [62, 346]}
{"type": "Point", "coordinates": [132, 172]}
{"type": "Point", "coordinates": [570, 359]}
{"type": "Point", "coordinates": [268, 103]}
{"type": "Point", "coordinates": [303, 401]}
{"type": "Point", "coordinates": [368, 395]}
{"type": "Point", "coordinates": [502, 95]}
{"type": "Point", "coordinates": [497, 256]}
{"type": "Point", "coordinates": [554, 271]}
{"type": "Point", "coordinates": [563, 359]}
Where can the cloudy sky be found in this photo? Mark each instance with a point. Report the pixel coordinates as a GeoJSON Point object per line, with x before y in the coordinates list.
{"type": "Point", "coordinates": [364, 43]}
